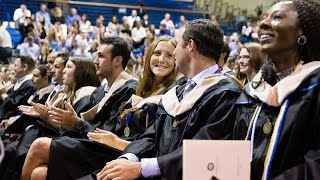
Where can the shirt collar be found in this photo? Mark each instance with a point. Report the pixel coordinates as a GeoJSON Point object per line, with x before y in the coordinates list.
{"type": "Point", "coordinates": [58, 87]}
{"type": "Point", "coordinates": [200, 76]}
{"type": "Point", "coordinates": [106, 88]}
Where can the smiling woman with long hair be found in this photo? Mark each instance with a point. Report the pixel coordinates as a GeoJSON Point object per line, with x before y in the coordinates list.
{"type": "Point", "coordinates": [279, 110]}
{"type": "Point", "coordinates": [250, 61]}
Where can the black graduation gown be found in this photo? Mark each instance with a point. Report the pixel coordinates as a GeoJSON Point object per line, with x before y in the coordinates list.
{"type": "Point", "coordinates": [65, 150]}
{"type": "Point", "coordinates": [98, 154]}
{"type": "Point", "coordinates": [9, 107]}
{"type": "Point", "coordinates": [211, 117]}
{"type": "Point", "coordinates": [297, 155]}
{"type": "Point", "coordinates": [24, 120]}
{"type": "Point", "coordinates": [97, 95]}
{"type": "Point", "coordinates": [19, 150]}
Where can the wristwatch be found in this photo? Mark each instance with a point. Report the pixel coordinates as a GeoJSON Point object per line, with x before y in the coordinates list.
{"type": "Point", "coordinates": [79, 124]}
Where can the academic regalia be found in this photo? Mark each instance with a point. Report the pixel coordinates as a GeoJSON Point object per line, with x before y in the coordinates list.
{"type": "Point", "coordinates": [82, 156]}
{"type": "Point", "coordinates": [24, 121]}
{"type": "Point", "coordinates": [19, 95]}
{"type": "Point", "coordinates": [283, 123]}
{"type": "Point", "coordinates": [105, 118]}
{"type": "Point", "coordinates": [97, 95]}
{"type": "Point", "coordinates": [206, 112]}
{"type": "Point", "coordinates": [40, 129]}
{"type": "Point", "coordinates": [98, 154]}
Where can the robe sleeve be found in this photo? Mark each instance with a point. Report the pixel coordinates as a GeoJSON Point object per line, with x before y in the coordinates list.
{"type": "Point", "coordinates": [9, 107]}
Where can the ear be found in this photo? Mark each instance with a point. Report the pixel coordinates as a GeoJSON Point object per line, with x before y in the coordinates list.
{"type": "Point", "coordinates": [192, 46]}
{"type": "Point", "coordinates": [25, 67]}
{"type": "Point", "coordinates": [118, 61]}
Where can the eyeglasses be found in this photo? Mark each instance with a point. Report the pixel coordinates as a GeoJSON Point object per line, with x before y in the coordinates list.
{"type": "Point", "coordinates": [243, 57]}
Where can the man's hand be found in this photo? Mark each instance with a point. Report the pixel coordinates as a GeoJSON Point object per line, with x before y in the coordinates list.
{"type": "Point", "coordinates": [120, 169]}
{"type": "Point", "coordinates": [66, 118]}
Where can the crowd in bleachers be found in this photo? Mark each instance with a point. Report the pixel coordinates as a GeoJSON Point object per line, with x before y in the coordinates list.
{"type": "Point", "coordinates": [48, 31]}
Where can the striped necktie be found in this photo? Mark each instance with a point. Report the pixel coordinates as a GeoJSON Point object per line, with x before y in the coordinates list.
{"type": "Point", "coordinates": [189, 86]}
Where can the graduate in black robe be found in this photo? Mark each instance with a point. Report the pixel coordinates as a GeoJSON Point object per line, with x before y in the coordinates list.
{"type": "Point", "coordinates": [79, 100]}
{"type": "Point", "coordinates": [201, 109]}
{"type": "Point", "coordinates": [279, 112]}
{"type": "Point", "coordinates": [21, 91]}
{"type": "Point", "coordinates": [41, 82]}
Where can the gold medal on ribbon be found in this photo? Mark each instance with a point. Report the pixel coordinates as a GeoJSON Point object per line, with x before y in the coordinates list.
{"type": "Point", "coordinates": [267, 127]}
{"type": "Point", "coordinates": [126, 131]}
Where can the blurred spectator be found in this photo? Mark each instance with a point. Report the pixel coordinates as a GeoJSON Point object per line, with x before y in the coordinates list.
{"type": "Point", "coordinates": [145, 21]}
{"type": "Point", "coordinates": [234, 44]}
{"type": "Point", "coordinates": [4, 78]}
{"type": "Point", "coordinates": [124, 21]}
{"type": "Point", "coordinates": [168, 22]}
{"type": "Point", "coordinates": [133, 18]}
{"type": "Point", "coordinates": [117, 32]}
{"type": "Point", "coordinates": [36, 38]}
{"type": "Point", "coordinates": [26, 28]}
{"type": "Point", "coordinates": [76, 25]}
{"type": "Point", "coordinates": [29, 48]}
{"type": "Point", "coordinates": [57, 16]}
{"type": "Point", "coordinates": [82, 51]}
{"type": "Point", "coordinates": [98, 30]}
{"type": "Point", "coordinates": [62, 45]}
{"type": "Point", "coordinates": [151, 34]}
{"type": "Point", "coordinates": [246, 33]}
{"type": "Point", "coordinates": [85, 24]}
{"type": "Point", "coordinates": [72, 17]}
{"type": "Point", "coordinates": [101, 18]}
{"type": "Point", "coordinates": [138, 35]}
{"type": "Point", "coordinates": [94, 50]}
{"type": "Point", "coordinates": [126, 29]}
{"type": "Point", "coordinates": [52, 38]}
{"type": "Point", "coordinates": [41, 31]}
{"type": "Point", "coordinates": [182, 22]}
{"type": "Point", "coordinates": [44, 53]}
{"type": "Point", "coordinates": [43, 12]}
{"type": "Point", "coordinates": [5, 46]}
{"type": "Point", "coordinates": [163, 31]}
{"type": "Point", "coordinates": [113, 24]}
{"type": "Point", "coordinates": [20, 14]}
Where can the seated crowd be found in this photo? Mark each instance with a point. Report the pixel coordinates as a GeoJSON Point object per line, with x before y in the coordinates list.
{"type": "Point", "coordinates": [83, 118]}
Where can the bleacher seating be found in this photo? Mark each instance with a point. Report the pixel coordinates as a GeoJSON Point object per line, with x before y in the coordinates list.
{"type": "Point", "coordinates": [6, 12]}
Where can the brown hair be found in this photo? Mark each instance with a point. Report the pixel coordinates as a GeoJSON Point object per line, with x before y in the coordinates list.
{"type": "Point", "coordinates": [146, 86]}
{"type": "Point", "coordinates": [84, 75]}
{"type": "Point", "coordinates": [257, 59]}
